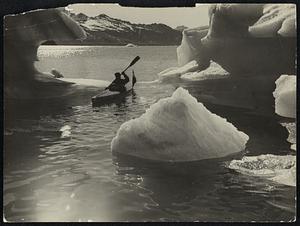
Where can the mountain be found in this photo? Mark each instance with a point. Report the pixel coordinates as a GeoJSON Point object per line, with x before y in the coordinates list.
{"type": "Point", "coordinates": [105, 30]}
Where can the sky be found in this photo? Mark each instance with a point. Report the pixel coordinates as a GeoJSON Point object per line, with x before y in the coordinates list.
{"type": "Point", "coordinates": [173, 16]}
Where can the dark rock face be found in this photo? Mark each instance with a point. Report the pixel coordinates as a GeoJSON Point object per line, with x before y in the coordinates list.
{"type": "Point", "coordinates": [105, 30]}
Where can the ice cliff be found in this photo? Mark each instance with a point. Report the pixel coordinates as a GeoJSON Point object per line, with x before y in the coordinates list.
{"type": "Point", "coordinates": [244, 38]}
{"type": "Point", "coordinates": [23, 33]}
{"type": "Point", "coordinates": [178, 128]}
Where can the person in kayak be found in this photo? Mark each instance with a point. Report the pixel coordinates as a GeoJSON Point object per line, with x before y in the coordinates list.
{"type": "Point", "coordinates": [118, 84]}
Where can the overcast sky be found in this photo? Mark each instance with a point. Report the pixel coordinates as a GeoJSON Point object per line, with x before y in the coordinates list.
{"type": "Point", "coordinates": [187, 16]}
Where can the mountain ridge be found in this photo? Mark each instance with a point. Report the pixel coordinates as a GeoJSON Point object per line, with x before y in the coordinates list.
{"type": "Point", "coordinates": [105, 30]}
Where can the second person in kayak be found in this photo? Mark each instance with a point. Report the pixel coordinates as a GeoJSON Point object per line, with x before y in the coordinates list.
{"type": "Point", "coordinates": [118, 84]}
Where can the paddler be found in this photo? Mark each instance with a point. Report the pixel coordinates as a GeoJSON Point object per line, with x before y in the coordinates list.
{"type": "Point", "coordinates": [118, 84]}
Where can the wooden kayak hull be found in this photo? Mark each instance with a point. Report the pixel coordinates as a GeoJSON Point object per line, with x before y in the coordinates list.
{"type": "Point", "coordinates": [108, 97]}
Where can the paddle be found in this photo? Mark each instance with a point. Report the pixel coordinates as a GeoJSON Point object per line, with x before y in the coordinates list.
{"type": "Point", "coordinates": [132, 62]}
{"type": "Point", "coordinates": [133, 79]}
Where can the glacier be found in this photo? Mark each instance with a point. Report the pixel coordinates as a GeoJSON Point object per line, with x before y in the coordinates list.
{"type": "Point", "coordinates": [285, 96]}
{"type": "Point", "coordinates": [281, 169]}
{"type": "Point", "coordinates": [178, 128]}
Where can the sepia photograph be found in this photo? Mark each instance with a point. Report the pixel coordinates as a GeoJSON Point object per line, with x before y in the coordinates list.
{"type": "Point", "coordinates": [150, 114]}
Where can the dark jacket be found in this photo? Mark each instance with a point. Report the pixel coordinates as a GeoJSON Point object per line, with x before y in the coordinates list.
{"type": "Point", "coordinates": [119, 84]}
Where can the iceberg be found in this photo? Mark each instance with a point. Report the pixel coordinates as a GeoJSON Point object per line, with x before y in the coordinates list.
{"type": "Point", "coordinates": [178, 128]}
{"type": "Point", "coordinates": [281, 169]}
{"type": "Point", "coordinates": [266, 32]}
{"type": "Point", "coordinates": [285, 96]}
{"type": "Point", "coordinates": [23, 34]}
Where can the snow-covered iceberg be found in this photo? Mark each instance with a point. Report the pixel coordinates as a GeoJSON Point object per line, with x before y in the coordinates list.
{"type": "Point", "coordinates": [281, 169]}
{"type": "Point", "coordinates": [178, 128]}
{"type": "Point", "coordinates": [285, 96]}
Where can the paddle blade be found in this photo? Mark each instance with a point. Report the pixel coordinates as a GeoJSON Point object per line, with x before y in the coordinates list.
{"type": "Point", "coordinates": [134, 61]}
{"type": "Point", "coordinates": [133, 80]}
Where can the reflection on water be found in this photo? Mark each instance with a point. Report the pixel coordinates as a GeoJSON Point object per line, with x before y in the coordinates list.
{"type": "Point", "coordinates": [47, 178]}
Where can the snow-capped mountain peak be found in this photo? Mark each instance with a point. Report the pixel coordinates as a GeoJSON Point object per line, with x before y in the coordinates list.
{"type": "Point", "coordinates": [103, 29]}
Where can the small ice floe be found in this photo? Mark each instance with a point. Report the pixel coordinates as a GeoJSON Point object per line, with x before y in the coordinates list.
{"type": "Point", "coordinates": [178, 128]}
{"type": "Point", "coordinates": [65, 131]}
{"type": "Point", "coordinates": [214, 71]}
{"type": "Point", "coordinates": [285, 96]}
{"type": "Point", "coordinates": [176, 72]}
{"type": "Point", "coordinates": [281, 169]}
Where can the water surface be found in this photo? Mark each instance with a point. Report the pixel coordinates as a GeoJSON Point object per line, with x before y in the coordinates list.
{"type": "Point", "coordinates": [49, 178]}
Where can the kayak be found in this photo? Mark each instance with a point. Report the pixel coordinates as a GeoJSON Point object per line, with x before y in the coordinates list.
{"type": "Point", "coordinates": [108, 96]}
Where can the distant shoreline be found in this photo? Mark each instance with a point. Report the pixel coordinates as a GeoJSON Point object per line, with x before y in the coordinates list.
{"type": "Point", "coordinates": [110, 44]}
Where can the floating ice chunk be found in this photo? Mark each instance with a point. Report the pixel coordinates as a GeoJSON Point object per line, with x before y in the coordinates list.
{"type": "Point", "coordinates": [65, 131]}
{"type": "Point", "coordinates": [178, 128]}
{"type": "Point", "coordinates": [292, 138]}
{"type": "Point", "coordinates": [65, 134]}
{"type": "Point", "coordinates": [64, 128]}
{"type": "Point", "coordinates": [293, 147]}
{"type": "Point", "coordinates": [212, 72]}
{"type": "Point", "coordinates": [285, 96]}
{"type": "Point", "coordinates": [281, 169]}
{"type": "Point", "coordinates": [176, 72]}
{"type": "Point", "coordinates": [86, 82]}
{"type": "Point", "coordinates": [131, 45]}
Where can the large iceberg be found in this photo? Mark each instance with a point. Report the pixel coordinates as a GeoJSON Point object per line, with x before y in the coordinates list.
{"type": "Point", "coordinates": [265, 32]}
{"type": "Point", "coordinates": [178, 128]}
{"type": "Point", "coordinates": [23, 34]}
{"type": "Point", "coordinates": [285, 96]}
{"type": "Point", "coordinates": [281, 169]}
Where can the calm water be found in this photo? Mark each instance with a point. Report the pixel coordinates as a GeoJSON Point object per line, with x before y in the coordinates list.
{"type": "Point", "coordinates": [49, 178]}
